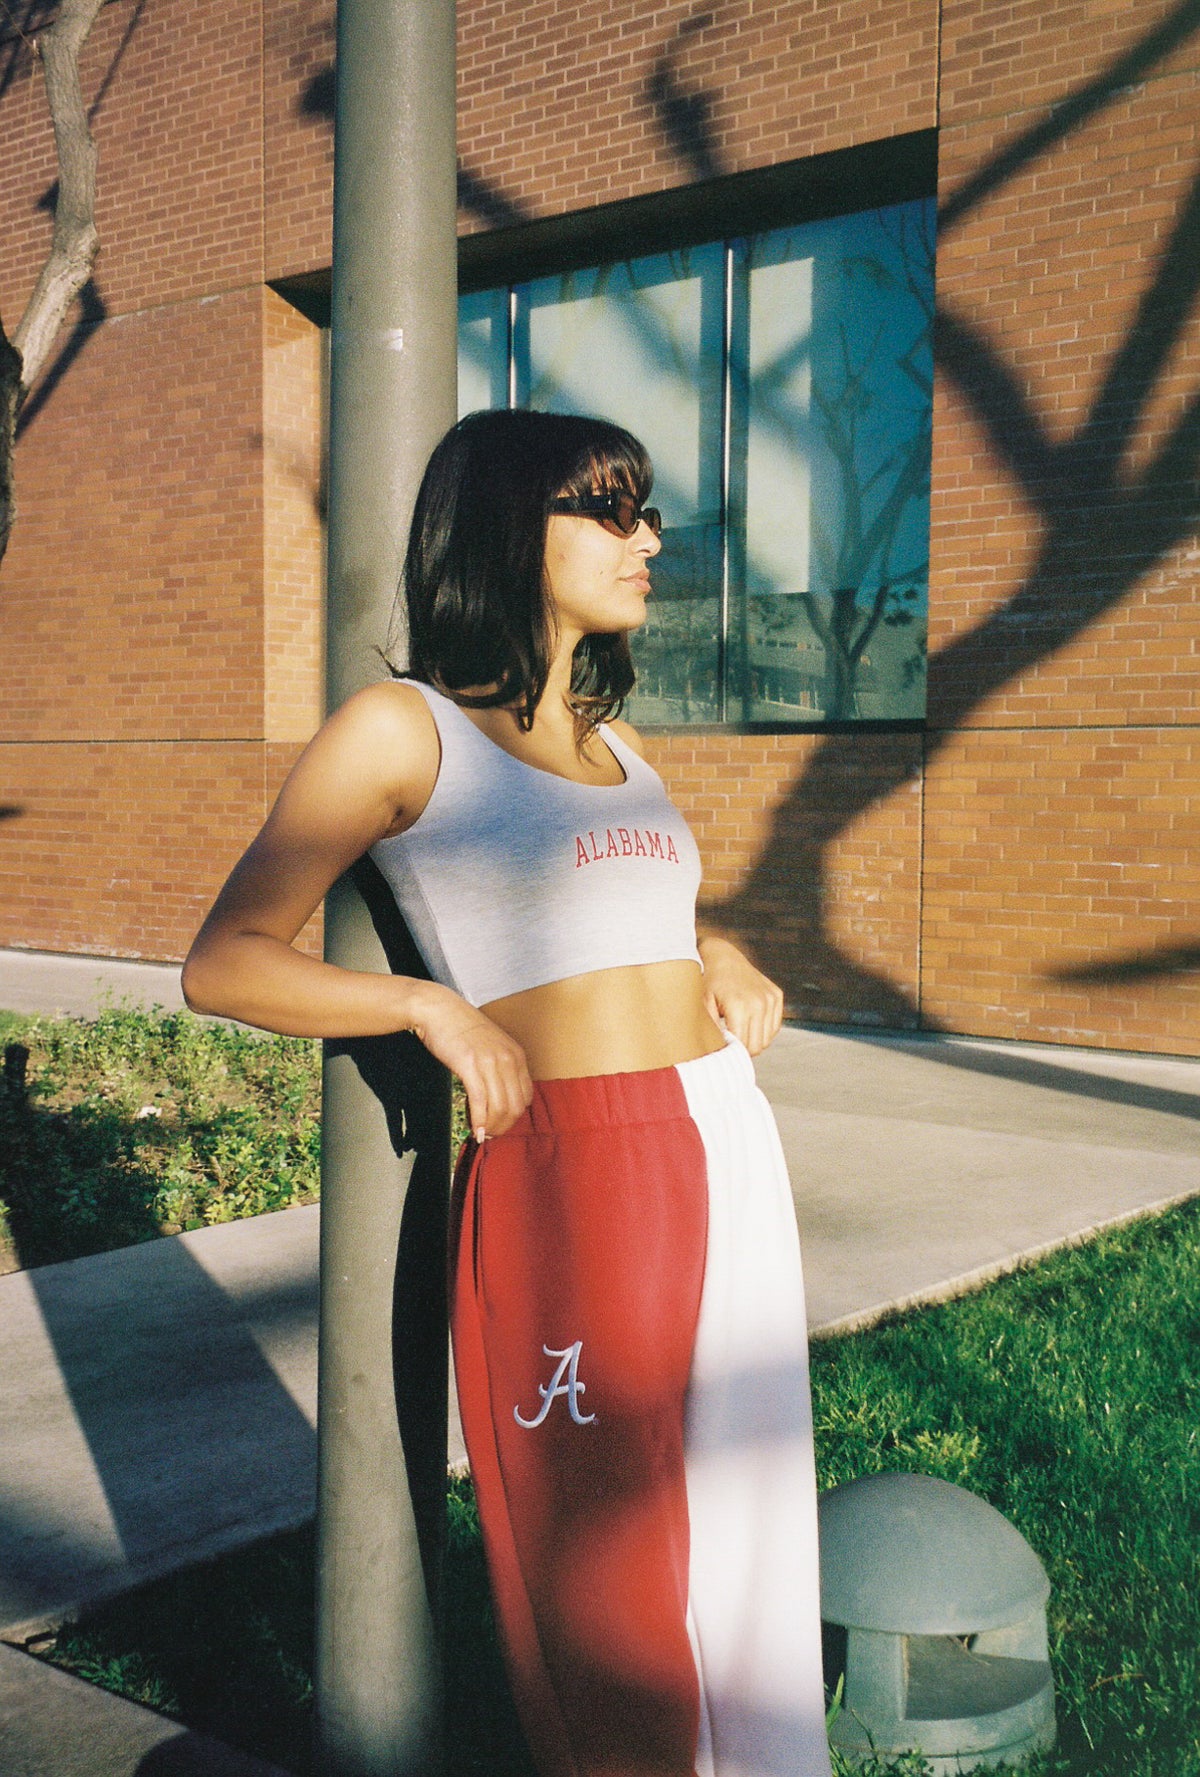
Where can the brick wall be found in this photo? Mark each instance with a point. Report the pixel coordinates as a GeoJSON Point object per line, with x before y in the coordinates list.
{"type": "Point", "coordinates": [1022, 868]}
{"type": "Point", "coordinates": [176, 107]}
{"type": "Point", "coordinates": [1060, 884]}
{"type": "Point", "coordinates": [155, 697]}
{"type": "Point", "coordinates": [293, 495]}
{"type": "Point", "coordinates": [1058, 900]}
{"type": "Point", "coordinates": [116, 844]}
{"type": "Point", "coordinates": [127, 617]}
{"type": "Point", "coordinates": [1061, 548]}
{"type": "Point", "coordinates": [563, 106]}
{"type": "Point", "coordinates": [811, 853]}
{"type": "Point", "coordinates": [298, 46]}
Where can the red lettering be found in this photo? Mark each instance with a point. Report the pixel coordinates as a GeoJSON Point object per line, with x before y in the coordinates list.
{"type": "Point", "coordinates": [625, 842]}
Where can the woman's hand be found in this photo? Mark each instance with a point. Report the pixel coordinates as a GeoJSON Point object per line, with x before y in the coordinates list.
{"type": "Point", "coordinates": [739, 995]}
{"type": "Point", "coordinates": [490, 1064]}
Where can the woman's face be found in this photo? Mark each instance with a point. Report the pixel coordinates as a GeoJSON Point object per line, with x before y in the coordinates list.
{"type": "Point", "coordinates": [598, 581]}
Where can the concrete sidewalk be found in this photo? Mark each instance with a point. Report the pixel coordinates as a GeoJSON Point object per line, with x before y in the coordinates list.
{"type": "Point", "coordinates": [158, 1403]}
{"type": "Point", "coordinates": [924, 1165]}
{"type": "Point", "coordinates": [53, 1725]}
{"type": "Point", "coordinates": [44, 981]}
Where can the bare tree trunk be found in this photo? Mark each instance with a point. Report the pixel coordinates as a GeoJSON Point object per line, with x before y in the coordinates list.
{"type": "Point", "coordinates": [75, 242]}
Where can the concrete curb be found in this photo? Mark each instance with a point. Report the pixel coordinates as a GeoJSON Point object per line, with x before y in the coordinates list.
{"type": "Point", "coordinates": [80, 986]}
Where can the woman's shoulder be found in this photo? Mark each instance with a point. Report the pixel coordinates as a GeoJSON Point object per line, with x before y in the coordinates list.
{"type": "Point", "coordinates": [391, 708]}
{"type": "Point", "coordinates": [382, 744]}
{"type": "Point", "coordinates": [385, 736]}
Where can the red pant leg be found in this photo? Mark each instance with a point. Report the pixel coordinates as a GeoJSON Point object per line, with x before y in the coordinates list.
{"type": "Point", "coordinates": [579, 1268]}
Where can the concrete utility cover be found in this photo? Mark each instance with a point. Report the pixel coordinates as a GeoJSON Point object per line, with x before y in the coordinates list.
{"type": "Point", "coordinates": [913, 1555]}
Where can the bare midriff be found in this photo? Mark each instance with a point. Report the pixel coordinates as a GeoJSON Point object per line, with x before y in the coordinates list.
{"type": "Point", "coordinates": [613, 1021]}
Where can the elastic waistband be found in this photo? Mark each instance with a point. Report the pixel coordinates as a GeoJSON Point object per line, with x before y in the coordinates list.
{"type": "Point", "coordinates": [652, 1095]}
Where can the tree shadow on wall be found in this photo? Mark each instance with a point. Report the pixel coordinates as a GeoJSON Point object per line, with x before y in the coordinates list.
{"type": "Point", "coordinates": [1134, 966]}
{"type": "Point", "coordinates": [1103, 527]}
{"type": "Point", "coordinates": [19, 26]}
{"type": "Point", "coordinates": [685, 114]}
{"type": "Point", "coordinates": [92, 311]}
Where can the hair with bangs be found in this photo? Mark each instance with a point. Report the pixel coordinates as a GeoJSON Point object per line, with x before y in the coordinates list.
{"type": "Point", "coordinates": [479, 613]}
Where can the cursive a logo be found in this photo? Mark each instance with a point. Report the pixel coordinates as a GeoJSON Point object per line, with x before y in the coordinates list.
{"type": "Point", "coordinates": [572, 1388]}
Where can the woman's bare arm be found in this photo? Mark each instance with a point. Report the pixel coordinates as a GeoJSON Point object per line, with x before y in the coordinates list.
{"type": "Point", "coordinates": [737, 994]}
{"type": "Point", "coordinates": [368, 772]}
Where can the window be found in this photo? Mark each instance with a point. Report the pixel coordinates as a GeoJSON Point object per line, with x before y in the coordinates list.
{"type": "Point", "coordinates": [783, 385]}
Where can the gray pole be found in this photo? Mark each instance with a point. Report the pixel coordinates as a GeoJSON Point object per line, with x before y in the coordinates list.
{"type": "Point", "coordinates": [382, 1421]}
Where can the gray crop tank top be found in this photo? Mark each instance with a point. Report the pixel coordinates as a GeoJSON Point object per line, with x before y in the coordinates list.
{"type": "Point", "coordinates": [512, 877]}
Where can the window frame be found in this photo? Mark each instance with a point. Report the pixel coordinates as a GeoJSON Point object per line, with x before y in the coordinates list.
{"type": "Point", "coordinates": [726, 210]}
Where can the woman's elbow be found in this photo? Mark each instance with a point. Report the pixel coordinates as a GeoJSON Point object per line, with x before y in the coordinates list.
{"type": "Point", "coordinates": [201, 984]}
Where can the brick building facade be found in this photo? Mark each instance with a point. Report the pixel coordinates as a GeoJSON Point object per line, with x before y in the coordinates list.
{"type": "Point", "coordinates": [1020, 863]}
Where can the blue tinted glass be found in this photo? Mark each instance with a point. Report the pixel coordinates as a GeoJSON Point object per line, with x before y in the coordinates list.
{"type": "Point", "coordinates": [482, 351]}
{"type": "Point", "coordinates": [831, 598]}
{"type": "Point", "coordinates": [640, 343]}
{"type": "Point", "coordinates": [805, 496]}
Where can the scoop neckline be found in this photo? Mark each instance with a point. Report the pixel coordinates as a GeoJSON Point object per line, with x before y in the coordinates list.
{"type": "Point", "coordinates": [556, 777]}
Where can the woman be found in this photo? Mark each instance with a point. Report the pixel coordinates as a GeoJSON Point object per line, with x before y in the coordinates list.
{"type": "Point", "coordinates": [627, 1305]}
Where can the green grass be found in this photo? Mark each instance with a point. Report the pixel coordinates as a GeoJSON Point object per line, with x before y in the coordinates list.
{"type": "Point", "coordinates": [139, 1124]}
{"type": "Point", "coordinates": [1068, 1395]}
{"type": "Point", "coordinates": [227, 1648]}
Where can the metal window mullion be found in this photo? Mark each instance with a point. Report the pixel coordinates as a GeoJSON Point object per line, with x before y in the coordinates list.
{"type": "Point", "coordinates": [736, 445]}
{"type": "Point", "coordinates": [726, 432]}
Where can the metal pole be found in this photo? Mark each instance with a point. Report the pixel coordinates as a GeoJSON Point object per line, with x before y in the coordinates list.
{"type": "Point", "coordinates": [382, 1419]}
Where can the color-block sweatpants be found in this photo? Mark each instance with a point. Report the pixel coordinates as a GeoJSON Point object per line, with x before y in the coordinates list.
{"type": "Point", "coordinates": [630, 1346]}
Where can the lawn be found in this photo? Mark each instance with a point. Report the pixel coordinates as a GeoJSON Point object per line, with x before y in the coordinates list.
{"type": "Point", "coordinates": [1068, 1395]}
{"type": "Point", "coordinates": [136, 1125]}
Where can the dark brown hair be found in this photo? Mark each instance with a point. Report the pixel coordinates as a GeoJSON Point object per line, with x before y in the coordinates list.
{"type": "Point", "coordinates": [474, 573]}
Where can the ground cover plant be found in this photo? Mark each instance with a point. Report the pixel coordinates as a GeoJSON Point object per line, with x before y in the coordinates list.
{"type": "Point", "coordinates": [136, 1124]}
{"type": "Point", "coordinates": [1068, 1395]}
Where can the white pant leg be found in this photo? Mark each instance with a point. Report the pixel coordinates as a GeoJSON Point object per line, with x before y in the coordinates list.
{"type": "Point", "coordinates": [754, 1607]}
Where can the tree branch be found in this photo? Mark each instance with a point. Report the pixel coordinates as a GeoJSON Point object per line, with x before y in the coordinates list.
{"type": "Point", "coordinates": [74, 246]}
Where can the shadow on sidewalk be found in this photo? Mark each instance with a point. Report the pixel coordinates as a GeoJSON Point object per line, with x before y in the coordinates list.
{"type": "Point", "coordinates": [191, 1444]}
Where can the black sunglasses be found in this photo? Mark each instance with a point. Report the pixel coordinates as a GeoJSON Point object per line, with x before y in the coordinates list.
{"type": "Point", "coordinates": [617, 511]}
